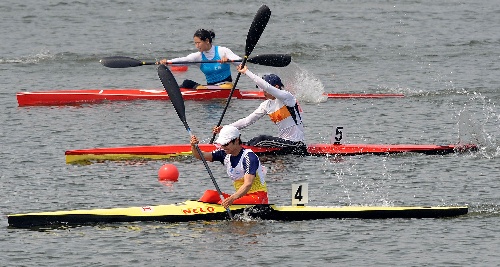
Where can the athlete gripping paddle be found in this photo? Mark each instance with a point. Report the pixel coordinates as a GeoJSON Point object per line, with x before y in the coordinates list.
{"type": "Point", "coordinates": [283, 110]}
{"type": "Point", "coordinates": [215, 73]}
{"type": "Point", "coordinates": [243, 167]}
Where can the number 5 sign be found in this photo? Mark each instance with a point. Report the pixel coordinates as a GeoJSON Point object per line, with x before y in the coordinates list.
{"type": "Point", "coordinates": [299, 194]}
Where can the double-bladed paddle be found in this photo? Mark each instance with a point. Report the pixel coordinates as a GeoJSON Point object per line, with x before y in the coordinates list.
{"type": "Point", "coordinates": [174, 92]}
{"type": "Point", "coordinates": [272, 60]}
{"type": "Point", "coordinates": [256, 29]}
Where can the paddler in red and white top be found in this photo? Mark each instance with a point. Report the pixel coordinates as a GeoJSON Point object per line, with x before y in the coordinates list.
{"type": "Point", "coordinates": [282, 108]}
{"type": "Point", "coordinates": [243, 167]}
{"type": "Point", "coordinates": [215, 73]}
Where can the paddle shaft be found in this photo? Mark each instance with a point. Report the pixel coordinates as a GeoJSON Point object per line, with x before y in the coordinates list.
{"type": "Point", "coordinates": [256, 29]}
{"type": "Point", "coordinates": [227, 102]}
{"type": "Point", "coordinates": [189, 62]}
{"type": "Point", "coordinates": [199, 62]}
{"type": "Point", "coordinates": [208, 169]}
{"type": "Point", "coordinates": [174, 92]}
{"type": "Point", "coordinates": [273, 60]}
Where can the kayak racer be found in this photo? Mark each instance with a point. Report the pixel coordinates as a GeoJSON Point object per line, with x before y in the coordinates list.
{"type": "Point", "coordinates": [243, 167]}
{"type": "Point", "coordinates": [283, 110]}
{"type": "Point", "coordinates": [215, 73]}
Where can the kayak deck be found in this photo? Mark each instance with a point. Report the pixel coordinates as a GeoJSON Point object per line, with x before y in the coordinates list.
{"type": "Point", "coordinates": [72, 97]}
{"type": "Point", "coordinates": [160, 152]}
{"type": "Point", "coordinates": [197, 211]}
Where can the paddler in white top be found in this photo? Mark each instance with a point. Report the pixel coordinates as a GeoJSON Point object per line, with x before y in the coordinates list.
{"type": "Point", "coordinates": [215, 73]}
{"type": "Point", "coordinates": [282, 108]}
{"type": "Point", "coordinates": [243, 167]}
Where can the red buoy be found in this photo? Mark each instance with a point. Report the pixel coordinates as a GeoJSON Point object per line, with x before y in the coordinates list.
{"type": "Point", "coordinates": [168, 172]}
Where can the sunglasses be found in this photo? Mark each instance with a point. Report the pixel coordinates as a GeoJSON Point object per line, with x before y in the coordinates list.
{"type": "Point", "coordinates": [232, 141]}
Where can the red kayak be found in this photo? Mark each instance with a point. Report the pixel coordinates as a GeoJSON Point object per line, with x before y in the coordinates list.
{"type": "Point", "coordinates": [168, 151]}
{"type": "Point", "coordinates": [72, 97]}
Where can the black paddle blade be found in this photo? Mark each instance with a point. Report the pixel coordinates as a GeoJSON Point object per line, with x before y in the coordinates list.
{"type": "Point", "coordinates": [276, 60]}
{"type": "Point", "coordinates": [257, 28]}
{"type": "Point", "coordinates": [173, 91]}
{"type": "Point", "coordinates": [120, 62]}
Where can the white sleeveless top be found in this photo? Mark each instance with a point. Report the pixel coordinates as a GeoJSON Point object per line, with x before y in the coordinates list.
{"type": "Point", "coordinates": [237, 173]}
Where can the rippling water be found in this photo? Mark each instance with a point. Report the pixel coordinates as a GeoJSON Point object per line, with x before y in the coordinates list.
{"type": "Point", "coordinates": [442, 55]}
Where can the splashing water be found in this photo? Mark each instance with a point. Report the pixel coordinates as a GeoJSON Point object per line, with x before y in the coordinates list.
{"type": "Point", "coordinates": [473, 125]}
{"type": "Point", "coordinates": [31, 59]}
{"type": "Point", "coordinates": [355, 188]}
{"type": "Point", "coordinates": [303, 85]}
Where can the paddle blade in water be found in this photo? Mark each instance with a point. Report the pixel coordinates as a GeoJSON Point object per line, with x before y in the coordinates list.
{"type": "Point", "coordinates": [120, 62]}
{"type": "Point", "coordinates": [276, 60]}
{"type": "Point", "coordinates": [257, 28]}
{"type": "Point", "coordinates": [173, 91]}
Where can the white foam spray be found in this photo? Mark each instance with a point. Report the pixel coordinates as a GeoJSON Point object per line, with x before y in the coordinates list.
{"type": "Point", "coordinates": [304, 85]}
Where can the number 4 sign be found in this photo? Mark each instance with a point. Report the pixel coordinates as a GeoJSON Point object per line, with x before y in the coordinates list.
{"type": "Point", "coordinates": [299, 194]}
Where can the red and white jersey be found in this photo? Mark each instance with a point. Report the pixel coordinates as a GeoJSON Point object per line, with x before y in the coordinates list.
{"type": "Point", "coordinates": [284, 111]}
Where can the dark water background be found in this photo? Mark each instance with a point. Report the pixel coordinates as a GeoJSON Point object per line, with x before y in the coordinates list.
{"type": "Point", "coordinates": [443, 55]}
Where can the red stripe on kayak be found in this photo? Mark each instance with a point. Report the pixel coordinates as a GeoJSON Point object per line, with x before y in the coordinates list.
{"type": "Point", "coordinates": [68, 97]}
{"type": "Point", "coordinates": [313, 149]}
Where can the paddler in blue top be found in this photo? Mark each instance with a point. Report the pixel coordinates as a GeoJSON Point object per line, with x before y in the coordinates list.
{"type": "Point", "coordinates": [242, 166]}
{"type": "Point", "coordinates": [215, 73]}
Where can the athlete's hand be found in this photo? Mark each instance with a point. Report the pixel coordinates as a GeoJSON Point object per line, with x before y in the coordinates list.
{"type": "Point", "coordinates": [194, 140]}
{"type": "Point", "coordinates": [242, 69]}
{"type": "Point", "coordinates": [227, 202]}
{"type": "Point", "coordinates": [216, 129]}
{"type": "Point", "coordinates": [223, 60]}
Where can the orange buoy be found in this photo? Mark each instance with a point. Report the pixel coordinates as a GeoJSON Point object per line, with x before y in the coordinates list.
{"type": "Point", "coordinates": [168, 172]}
{"type": "Point", "coordinates": [179, 68]}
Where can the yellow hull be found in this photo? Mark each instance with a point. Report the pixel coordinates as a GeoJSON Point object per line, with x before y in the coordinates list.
{"type": "Point", "coordinates": [84, 159]}
{"type": "Point", "coordinates": [195, 211]}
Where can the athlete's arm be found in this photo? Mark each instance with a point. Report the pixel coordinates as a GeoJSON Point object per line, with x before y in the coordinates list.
{"type": "Point", "coordinates": [252, 118]}
{"type": "Point", "coordinates": [286, 97]}
{"type": "Point", "coordinates": [191, 57]}
{"type": "Point", "coordinates": [250, 165]}
{"type": "Point", "coordinates": [243, 190]}
{"type": "Point", "coordinates": [206, 155]}
{"type": "Point", "coordinates": [230, 55]}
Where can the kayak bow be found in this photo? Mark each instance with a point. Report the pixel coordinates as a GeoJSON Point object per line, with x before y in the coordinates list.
{"type": "Point", "coordinates": [197, 211]}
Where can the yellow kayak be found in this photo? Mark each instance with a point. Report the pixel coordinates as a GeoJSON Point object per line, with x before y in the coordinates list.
{"type": "Point", "coordinates": [200, 211]}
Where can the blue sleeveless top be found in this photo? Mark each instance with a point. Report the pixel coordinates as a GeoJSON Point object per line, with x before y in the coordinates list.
{"type": "Point", "coordinates": [215, 72]}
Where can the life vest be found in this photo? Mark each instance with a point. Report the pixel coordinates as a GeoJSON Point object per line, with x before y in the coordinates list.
{"type": "Point", "coordinates": [215, 72]}
{"type": "Point", "coordinates": [288, 119]}
{"type": "Point", "coordinates": [236, 174]}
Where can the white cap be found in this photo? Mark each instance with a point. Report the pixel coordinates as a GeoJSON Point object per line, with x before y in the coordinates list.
{"type": "Point", "coordinates": [227, 134]}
